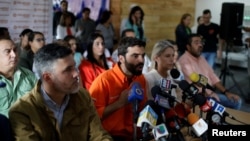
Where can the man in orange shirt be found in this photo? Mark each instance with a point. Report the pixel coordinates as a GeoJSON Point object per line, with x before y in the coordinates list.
{"type": "Point", "coordinates": [110, 90]}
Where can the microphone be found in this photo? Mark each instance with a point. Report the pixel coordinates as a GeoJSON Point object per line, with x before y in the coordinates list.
{"type": "Point", "coordinates": [189, 90]}
{"type": "Point", "coordinates": [199, 126]}
{"type": "Point", "coordinates": [160, 132]}
{"type": "Point", "coordinates": [200, 80]}
{"type": "Point", "coordinates": [135, 95]}
{"type": "Point", "coordinates": [172, 121]}
{"type": "Point", "coordinates": [161, 100]}
{"type": "Point", "coordinates": [160, 97]}
{"type": "Point", "coordinates": [175, 74]}
{"type": "Point", "coordinates": [148, 117]}
{"type": "Point", "coordinates": [182, 110]}
{"type": "Point", "coordinates": [204, 104]}
{"type": "Point", "coordinates": [174, 124]}
{"type": "Point", "coordinates": [165, 85]}
{"type": "Point", "coordinates": [218, 108]}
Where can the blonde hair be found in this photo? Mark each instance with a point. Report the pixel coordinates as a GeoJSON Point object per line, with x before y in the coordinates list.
{"type": "Point", "coordinates": [158, 49]}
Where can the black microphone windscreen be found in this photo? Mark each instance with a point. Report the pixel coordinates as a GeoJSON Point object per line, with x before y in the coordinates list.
{"type": "Point", "coordinates": [175, 73]}
{"type": "Point", "coordinates": [199, 99]}
{"type": "Point", "coordinates": [155, 90]}
{"type": "Point", "coordinates": [183, 84]}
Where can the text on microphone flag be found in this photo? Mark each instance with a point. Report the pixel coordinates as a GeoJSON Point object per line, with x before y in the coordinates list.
{"type": "Point", "coordinates": [149, 114]}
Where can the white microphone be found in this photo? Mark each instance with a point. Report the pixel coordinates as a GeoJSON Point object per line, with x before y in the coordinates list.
{"type": "Point", "coordinates": [160, 132]}
{"type": "Point", "coordinates": [199, 126]}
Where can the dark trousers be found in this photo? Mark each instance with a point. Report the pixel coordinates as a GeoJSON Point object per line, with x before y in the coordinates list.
{"type": "Point", "coordinates": [118, 138]}
{"type": "Point", "coordinates": [5, 129]}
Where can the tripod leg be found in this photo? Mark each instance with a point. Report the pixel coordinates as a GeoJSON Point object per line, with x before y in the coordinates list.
{"type": "Point", "coordinates": [223, 76]}
{"type": "Point", "coordinates": [236, 84]}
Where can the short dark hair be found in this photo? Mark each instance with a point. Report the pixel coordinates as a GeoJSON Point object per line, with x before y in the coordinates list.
{"type": "Point", "coordinates": [46, 56]}
{"type": "Point", "coordinates": [105, 16]}
{"type": "Point", "coordinates": [25, 31]}
{"type": "Point", "coordinates": [63, 1]}
{"type": "Point", "coordinates": [191, 36]}
{"type": "Point", "coordinates": [4, 33]}
{"type": "Point", "coordinates": [127, 42]}
{"type": "Point", "coordinates": [206, 11]}
{"type": "Point", "coordinates": [67, 38]}
{"type": "Point", "coordinates": [85, 9]}
{"type": "Point", "coordinates": [125, 31]}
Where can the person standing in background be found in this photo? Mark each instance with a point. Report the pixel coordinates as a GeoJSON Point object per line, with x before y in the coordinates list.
{"type": "Point", "coordinates": [199, 22]}
{"type": "Point", "coordinates": [65, 27]}
{"type": "Point", "coordinates": [58, 14]}
{"type": "Point", "coordinates": [107, 30]}
{"type": "Point", "coordinates": [84, 27]}
{"type": "Point", "coordinates": [135, 22]}
{"type": "Point", "coordinates": [210, 34]}
{"type": "Point", "coordinates": [182, 32]}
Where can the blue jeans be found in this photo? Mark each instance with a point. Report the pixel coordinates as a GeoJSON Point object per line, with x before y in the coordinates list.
{"type": "Point", "coordinates": [210, 57]}
{"type": "Point", "coordinates": [229, 103]}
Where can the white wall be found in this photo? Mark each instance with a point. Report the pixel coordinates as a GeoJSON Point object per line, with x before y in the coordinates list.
{"type": "Point", "coordinates": [215, 7]}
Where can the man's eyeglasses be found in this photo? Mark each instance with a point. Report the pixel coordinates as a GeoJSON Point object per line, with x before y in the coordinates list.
{"type": "Point", "coordinates": [40, 39]}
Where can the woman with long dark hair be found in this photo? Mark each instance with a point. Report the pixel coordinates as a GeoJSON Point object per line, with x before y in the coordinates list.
{"type": "Point", "coordinates": [96, 61]}
{"type": "Point", "coordinates": [182, 32]}
{"type": "Point", "coordinates": [135, 22]}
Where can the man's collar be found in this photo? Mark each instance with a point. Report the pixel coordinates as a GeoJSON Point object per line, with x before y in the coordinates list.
{"type": "Point", "coordinates": [191, 56]}
{"type": "Point", "coordinates": [122, 76]}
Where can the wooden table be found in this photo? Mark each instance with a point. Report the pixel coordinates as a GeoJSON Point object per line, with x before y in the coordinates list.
{"type": "Point", "coordinates": [238, 115]}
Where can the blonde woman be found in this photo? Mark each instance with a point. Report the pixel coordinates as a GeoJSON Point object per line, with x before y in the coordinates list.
{"type": "Point", "coordinates": [162, 61]}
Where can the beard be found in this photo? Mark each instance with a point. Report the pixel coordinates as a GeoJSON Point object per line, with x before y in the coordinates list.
{"type": "Point", "coordinates": [133, 68]}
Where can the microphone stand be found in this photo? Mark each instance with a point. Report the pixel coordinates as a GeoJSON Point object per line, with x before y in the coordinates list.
{"type": "Point", "coordinates": [204, 135]}
{"type": "Point", "coordinates": [135, 117]}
